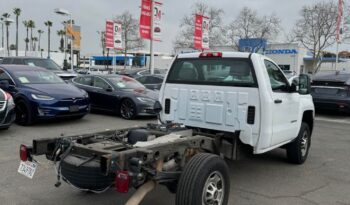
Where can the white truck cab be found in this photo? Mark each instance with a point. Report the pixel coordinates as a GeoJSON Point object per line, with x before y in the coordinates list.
{"type": "Point", "coordinates": [244, 93]}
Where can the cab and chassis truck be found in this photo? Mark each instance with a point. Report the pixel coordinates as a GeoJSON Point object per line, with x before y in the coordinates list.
{"type": "Point", "coordinates": [213, 106]}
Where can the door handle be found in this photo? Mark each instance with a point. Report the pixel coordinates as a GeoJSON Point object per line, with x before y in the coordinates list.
{"type": "Point", "coordinates": [278, 101]}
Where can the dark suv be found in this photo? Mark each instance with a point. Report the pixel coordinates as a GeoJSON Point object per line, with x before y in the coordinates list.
{"type": "Point", "coordinates": [331, 91]}
{"type": "Point", "coordinates": [40, 62]}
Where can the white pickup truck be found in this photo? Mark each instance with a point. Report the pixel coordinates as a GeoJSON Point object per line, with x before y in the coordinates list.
{"type": "Point", "coordinates": [213, 106]}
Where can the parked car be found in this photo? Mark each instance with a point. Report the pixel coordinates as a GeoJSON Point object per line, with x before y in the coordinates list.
{"type": "Point", "coordinates": [152, 82]}
{"type": "Point", "coordinates": [7, 110]}
{"type": "Point", "coordinates": [120, 94]}
{"type": "Point", "coordinates": [40, 62]}
{"type": "Point", "coordinates": [40, 94]}
{"type": "Point", "coordinates": [138, 72]}
{"type": "Point", "coordinates": [331, 91]}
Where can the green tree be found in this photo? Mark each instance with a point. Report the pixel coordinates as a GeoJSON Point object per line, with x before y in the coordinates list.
{"type": "Point", "coordinates": [31, 26]}
{"type": "Point", "coordinates": [7, 24]}
{"type": "Point", "coordinates": [49, 25]}
{"type": "Point", "coordinates": [17, 12]}
{"type": "Point", "coordinates": [25, 23]}
{"type": "Point", "coordinates": [61, 34]}
{"type": "Point", "coordinates": [34, 40]}
{"type": "Point", "coordinates": [39, 34]}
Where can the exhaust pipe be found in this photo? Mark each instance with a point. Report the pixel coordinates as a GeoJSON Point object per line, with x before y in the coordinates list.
{"type": "Point", "coordinates": [141, 192]}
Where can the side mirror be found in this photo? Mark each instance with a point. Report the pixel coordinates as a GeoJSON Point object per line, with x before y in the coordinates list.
{"type": "Point", "coordinates": [4, 84]}
{"type": "Point", "coordinates": [304, 84]}
{"type": "Point", "coordinates": [109, 89]}
{"type": "Point", "coordinates": [157, 107]}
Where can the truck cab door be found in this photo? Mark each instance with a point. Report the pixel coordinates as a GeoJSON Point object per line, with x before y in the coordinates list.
{"type": "Point", "coordinates": [285, 106]}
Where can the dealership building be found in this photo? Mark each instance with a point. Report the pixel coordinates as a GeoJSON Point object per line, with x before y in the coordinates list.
{"type": "Point", "coordinates": [289, 56]}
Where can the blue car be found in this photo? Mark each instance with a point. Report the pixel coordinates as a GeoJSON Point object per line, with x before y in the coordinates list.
{"type": "Point", "coordinates": [40, 94]}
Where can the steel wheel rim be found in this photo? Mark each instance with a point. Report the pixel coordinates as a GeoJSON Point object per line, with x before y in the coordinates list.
{"type": "Point", "coordinates": [304, 144]}
{"type": "Point", "coordinates": [127, 109]}
{"type": "Point", "coordinates": [214, 189]}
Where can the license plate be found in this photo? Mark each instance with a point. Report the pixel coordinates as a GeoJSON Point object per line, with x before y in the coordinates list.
{"type": "Point", "coordinates": [27, 169]}
{"type": "Point", "coordinates": [74, 108]}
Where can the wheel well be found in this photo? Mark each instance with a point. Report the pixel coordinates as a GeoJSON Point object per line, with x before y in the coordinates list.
{"type": "Point", "coordinates": [308, 118]}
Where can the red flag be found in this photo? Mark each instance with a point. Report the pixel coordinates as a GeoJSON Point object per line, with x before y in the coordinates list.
{"type": "Point", "coordinates": [109, 34]}
{"type": "Point", "coordinates": [339, 20]}
{"type": "Point", "coordinates": [198, 32]}
{"type": "Point", "coordinates": [145, 19]}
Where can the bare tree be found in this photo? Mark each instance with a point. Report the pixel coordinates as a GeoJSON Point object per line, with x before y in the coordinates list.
{"type": "Point", "coordinates": [184, 39]}
{"type": "Point", "coordinates": [249, 25]}
{"type": "Point", "coordinates": [130, 33]}
{"type": "Point", "coordinates": [316, 29]}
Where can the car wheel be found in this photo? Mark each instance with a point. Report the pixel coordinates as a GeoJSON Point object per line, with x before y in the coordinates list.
{"type": "Point", "coordinates": [298, 150]}
{"type": "Point", "coordinates": [128, 109]}
{"type": "Point", "coordinates": [23, 115]}
{"type": "Point", "coordinates": [204, 180]}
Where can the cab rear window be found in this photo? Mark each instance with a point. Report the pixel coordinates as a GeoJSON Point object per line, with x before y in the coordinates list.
{"type": "Point", "coordinates": [220, 71]}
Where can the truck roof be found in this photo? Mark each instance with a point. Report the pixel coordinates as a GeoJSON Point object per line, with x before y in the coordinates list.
{"type": "Point", "coordinates": [225, 54]}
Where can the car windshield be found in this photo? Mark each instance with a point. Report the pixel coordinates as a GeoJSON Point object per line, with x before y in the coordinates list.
{"type": "Point", "coordinates": [125, 82]}
{"type": "Point", "coordinates": [44, 63]}
{"type": "Point", "coordinates": [37, 77]}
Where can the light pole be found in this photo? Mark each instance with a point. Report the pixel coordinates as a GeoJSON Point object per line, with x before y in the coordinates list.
{"type": "Point", "coordinates": [66, 13]}
{"type": "Point", "coordinates": [2, 32]}
{"type": "Point", "coordinates": [8, 21]}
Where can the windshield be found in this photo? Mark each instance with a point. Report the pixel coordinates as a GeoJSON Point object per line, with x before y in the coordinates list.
{"type": "Point", "coordinates": [44, 63]}
{"type": "Point", "coordinates": [37, 77]}
{"type": "Point", "coordinates": [125, 82]}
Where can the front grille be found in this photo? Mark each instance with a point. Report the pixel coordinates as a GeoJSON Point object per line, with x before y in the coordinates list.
{"type": "Point", "coordinates": [328, 83]}
{"type": "Point", "coordinates": [2, 105]}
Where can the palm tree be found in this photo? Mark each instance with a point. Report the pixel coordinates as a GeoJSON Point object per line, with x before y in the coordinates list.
{"type": "Point", "coordinates": [34, 40]}
{"type": "Point", "coordinates": [26, 39]}
{"type": "Point", "coordinates": [31, 25]}
{"type": "Point", "coordinates": [17, 12]}
{"type": "Point", "coordinates": [48, 24]}
{"type": "Point", "coordinates": [7, 24]}
{"type": "Point", "coordinates": [61, 34]}
{"type": "Point", "coordinates": [2, 31]}
{"type": "Point", "coordinates": [39, 32]}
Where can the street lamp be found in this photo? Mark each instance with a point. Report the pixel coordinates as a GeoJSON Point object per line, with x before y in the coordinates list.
{"type": "Point", "coordinates": [67, 13]}
{"type": "Point", "coordinates": [8, 21]}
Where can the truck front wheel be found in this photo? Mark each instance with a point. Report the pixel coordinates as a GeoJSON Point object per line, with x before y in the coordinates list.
{"type": "Point", "coordinates": [204, 180]}
{"type": "Point", "coordinates": [298, 150]}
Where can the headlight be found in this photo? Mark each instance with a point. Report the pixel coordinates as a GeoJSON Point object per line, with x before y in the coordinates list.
{"type": "Point", "coordinates": [146, 100]}
{"type": "Point", "coordinates": [42, 97]}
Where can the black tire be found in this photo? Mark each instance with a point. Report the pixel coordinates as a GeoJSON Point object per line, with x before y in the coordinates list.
{"type": "Point", "coordinates": [298, 150]}
{"type": "Point", "coordinates": [128, 109]}
{"type": "Point", "coordinates": [195, 180]}
{"type": "Point", "coordinates": [24, 116]}
{"type": "Point", "coordinates": [87, 176]}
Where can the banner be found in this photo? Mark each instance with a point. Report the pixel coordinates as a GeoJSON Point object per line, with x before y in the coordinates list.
{"type": "Point", "coordinates": [201, 32]}
{"type": "Point", "coordinates": [75, 33]}
{"type": "Point", "coordinates": [118, 36]}
{"type": "Point", "coordinates": [157, 17]}
{"type": "Point", "coordinates": [145, 19]}
{"type": "Point", "coordinates": [339, 31]}
{"type": "Point", "coordinates": [109, 34]}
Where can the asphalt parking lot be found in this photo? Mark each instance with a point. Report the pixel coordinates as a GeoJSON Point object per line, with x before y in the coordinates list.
{"type": "Point", "coordinates": [263, 179]}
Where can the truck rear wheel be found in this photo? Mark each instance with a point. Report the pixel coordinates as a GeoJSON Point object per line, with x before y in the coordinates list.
{"type": "Point", "coordinates": [298, 150]}
{"type": "Point", "coordinates": [204, 180]}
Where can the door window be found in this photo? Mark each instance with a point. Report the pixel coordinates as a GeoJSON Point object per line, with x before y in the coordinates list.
{"type": "Point", "coordinates": [100, 83]}
{"type": "Point", "coordinates": [84, 81]}
{"type": "Point", "coordinates": [142, 79]}
{"type": "Point", "coordinates": [5, 76]}
{"type": "Point", "coordinates": [154, 80]}
{"type": "Point", "coordinates": [277, 79]}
